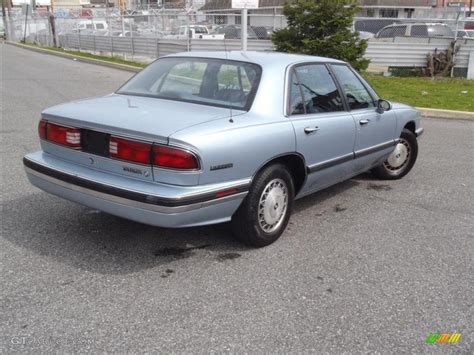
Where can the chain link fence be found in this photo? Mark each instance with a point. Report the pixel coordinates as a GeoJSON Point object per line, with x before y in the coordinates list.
{"type": "Point", "coordinates": [145, 34]}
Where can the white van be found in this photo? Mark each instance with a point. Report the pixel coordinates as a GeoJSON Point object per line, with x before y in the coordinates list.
{"type": "Point", "coordinates": [93, 25]}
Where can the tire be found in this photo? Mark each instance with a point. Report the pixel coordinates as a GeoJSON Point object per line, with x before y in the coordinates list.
{"type": "Point", "coordinates": [395, 167]}
{"type": "Point", "coordinates": [252, 222]}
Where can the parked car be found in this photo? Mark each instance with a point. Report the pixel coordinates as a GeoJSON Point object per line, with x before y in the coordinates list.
{"type": "Point", "coordinates": [263, 32]}
{"type": "Point", "coordinates": [91, 25]}
{"type": "Point", "coordinates": [129, 34]}
{"type": "Point", "coordinates": [416, 30]}
{"type": "Point", "coordinates": [469, 23]}
{"type": "Point", "coordinates": [373, 25]}
{"type": "Point", "coordinates": [466, 34]}
{"type": "Point", "coordinates": [194, 32]}
{"type": "Point", "coordinates": [235, 32]}
{"type": "Point", "coordinates": [208, 137]}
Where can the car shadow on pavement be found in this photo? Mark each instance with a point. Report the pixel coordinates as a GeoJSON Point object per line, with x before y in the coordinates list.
{"type": "Point", "coordinates": [101, 243]}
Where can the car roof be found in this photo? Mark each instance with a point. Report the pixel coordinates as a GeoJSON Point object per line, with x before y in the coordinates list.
{"type": "Point", "coordinates": [262, 58]}
{"type": "Point", "coordinates": [416, 24]}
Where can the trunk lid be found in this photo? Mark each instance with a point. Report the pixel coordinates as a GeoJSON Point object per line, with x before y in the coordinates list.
{"type": "Point", "coordinates": [144, 117]}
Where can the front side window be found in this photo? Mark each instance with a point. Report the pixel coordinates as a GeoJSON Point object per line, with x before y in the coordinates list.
{"type": "Point", "coordinates": [357, 95]}
{"type": "Point", "coordinates": [320, 93]}
{"type": "Point", "coordinates": [214, 82]}
{"type": "Point", "coordinates": [387, 33]}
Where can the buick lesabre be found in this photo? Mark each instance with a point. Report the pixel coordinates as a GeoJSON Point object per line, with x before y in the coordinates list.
{"type": "Point", "coordinates": [201, 138]}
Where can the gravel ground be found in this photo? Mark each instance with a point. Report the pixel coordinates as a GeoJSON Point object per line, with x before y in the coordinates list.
{"type": "Point", "coordinates": [365, 266]}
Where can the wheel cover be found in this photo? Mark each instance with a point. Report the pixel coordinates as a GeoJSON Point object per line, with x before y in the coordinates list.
{"type": "Point", "coordinates": [273, 205]}
{"type": "Point", "coordinates": [399, 157]}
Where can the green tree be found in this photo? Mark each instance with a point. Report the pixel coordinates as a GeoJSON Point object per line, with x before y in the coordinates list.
{"type": "Point", "coordinates": [323, 28]}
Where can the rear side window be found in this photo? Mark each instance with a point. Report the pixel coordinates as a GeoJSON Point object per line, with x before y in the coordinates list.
{"type": "Point", "coordinates": [201, 30]}
{"type": "Point", "coordinates": [419, 31]}
{"type": "Point", "coordinates": [440, 31]}
{"type": "Point", "coordinates": [313, 90]}
{"type": "Point", "coordinates": [399, 31]}
{"type": "Point", "coordinates": [358, 97]}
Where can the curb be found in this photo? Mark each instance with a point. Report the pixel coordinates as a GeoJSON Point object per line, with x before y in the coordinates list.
{"type": "Point", "coordinates": [126, 67]}
{"type": "Point", "coordinates": [446, 114]}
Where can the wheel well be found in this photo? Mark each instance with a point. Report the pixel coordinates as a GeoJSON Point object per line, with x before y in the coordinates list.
{"type": "Point", "coordinates": [296, 166]}
{"type": "Point", "coordinates": [410, 126]}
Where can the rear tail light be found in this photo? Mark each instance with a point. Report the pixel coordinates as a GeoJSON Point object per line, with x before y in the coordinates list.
{"type": "Point", "coordinates": [124, 149]}
{"type": "Point", "coordinates": [174, 158]}
{"type": "Point", "coordinates": [68, 136]}
{"type": "Point", "coordinates": [134, 151]}
{"type": "Point", "coordinates": [42, 129]}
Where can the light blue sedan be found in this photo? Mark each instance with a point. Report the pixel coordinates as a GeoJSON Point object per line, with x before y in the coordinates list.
{"type": "Point", "coordinates": [201, 138]}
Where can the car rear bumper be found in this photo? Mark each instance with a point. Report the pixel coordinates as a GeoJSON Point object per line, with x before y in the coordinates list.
{"type": "Point", "coordinates": [146, 202]}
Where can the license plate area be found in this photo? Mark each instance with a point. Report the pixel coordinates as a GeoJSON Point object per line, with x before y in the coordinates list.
{"type": "Point", "coordinates": [95, 142]}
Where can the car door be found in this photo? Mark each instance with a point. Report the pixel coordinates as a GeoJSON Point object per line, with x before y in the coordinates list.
{"type": "Point", "coordinates": [325, 131]}
{"type": "Point", "coordinates": [375, 135]}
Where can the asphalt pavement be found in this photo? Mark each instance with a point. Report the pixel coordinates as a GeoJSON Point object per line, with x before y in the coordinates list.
{"type": "Point", "coordinates": [365, 266]}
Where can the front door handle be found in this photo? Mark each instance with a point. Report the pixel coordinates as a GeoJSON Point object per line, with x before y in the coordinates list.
{"type": "Point", "coordinates": [309, 130]}
{"type": "Point", "coordinates": [364, 122]}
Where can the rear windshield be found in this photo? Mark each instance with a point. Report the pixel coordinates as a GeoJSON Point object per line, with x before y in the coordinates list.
{"type": "Point", "coordinates": [214, 82]}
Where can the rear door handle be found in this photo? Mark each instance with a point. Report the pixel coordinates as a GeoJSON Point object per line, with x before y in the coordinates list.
{"type": "Point", "coordinates": [364, 122]}
{"type": "Point", "coordinates": [309, 130]}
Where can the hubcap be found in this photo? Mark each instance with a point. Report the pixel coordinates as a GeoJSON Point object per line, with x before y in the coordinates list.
{"type": "Point", "coordinates": [399, 157]}
{"type": "Point", "coordinates": [272, 205]}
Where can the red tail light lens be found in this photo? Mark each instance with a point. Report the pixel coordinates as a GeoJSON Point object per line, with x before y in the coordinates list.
{"type": "Point", "coordinates": [42, 129]}
{"type": "Point", "coordinates": [174, 158]}
{"type": "Point", "coordinates": [130, 150]}
{"type": "Point", "coordinates": [68, 136]}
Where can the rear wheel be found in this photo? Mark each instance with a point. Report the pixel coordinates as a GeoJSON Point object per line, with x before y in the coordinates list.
{"type": "Point", "coordinates": [265, 212]}
{"type": "Point", "coordinates": [402, 159]}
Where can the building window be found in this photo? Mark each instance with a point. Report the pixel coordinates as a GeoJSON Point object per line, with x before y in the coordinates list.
{"type": "Point", "coordinates": [389, 13]}
{"type": "Point", "coordinates": [220, 19]}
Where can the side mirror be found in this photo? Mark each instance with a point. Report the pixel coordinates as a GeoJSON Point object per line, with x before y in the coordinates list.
{"type": "Point", "coordinates": [383, 105]}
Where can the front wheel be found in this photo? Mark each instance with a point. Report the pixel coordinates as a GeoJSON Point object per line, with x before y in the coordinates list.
{"type": "Point", "coordinates": [265, 212]}
{"type": "Point", "coordinates": [402, 159]}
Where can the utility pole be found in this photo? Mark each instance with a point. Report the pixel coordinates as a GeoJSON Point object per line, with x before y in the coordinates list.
{"type": "Point", "coordinates": [53, 24]}
{"type": "Point", "coordinates": [470, 8]}
{"type": "Point", "coordinates": [5, 20]}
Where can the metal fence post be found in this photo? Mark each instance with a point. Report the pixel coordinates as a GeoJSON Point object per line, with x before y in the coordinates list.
{"type": "Point", "coordinates": [244, 29]}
